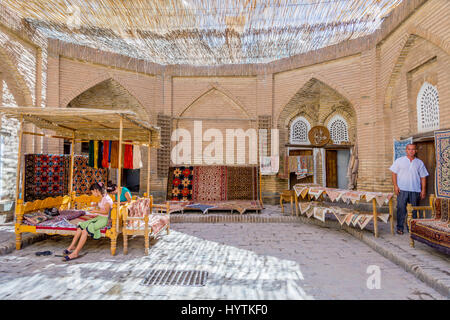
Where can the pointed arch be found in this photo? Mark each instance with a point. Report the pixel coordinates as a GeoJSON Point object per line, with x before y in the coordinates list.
{"type": "Point", "coordinates": [103, 78]}
{"type": "Point", "coordinates": [92, 83]}
{"type": "Point", "coordinates": [413, 33]}
{"type": "Point", "coordinates": [225, 92]}
{"type": "Point", "coordinates": [325, 81]}
{"type": "Point", "coordinates": [16, 83]}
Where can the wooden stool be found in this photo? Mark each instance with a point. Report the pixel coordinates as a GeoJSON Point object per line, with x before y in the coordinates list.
{"type": "Point", "coordinates": [287, 195]}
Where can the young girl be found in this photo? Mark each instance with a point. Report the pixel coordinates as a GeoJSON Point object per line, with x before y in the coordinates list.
{"type": "Point", "coordinates": [125, 195]}
{"type": "Point", "coordinates": [91, 227]}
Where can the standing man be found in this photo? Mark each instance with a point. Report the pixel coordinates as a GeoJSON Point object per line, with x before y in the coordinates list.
{"type": "Point", "coordinates": [409, 179]}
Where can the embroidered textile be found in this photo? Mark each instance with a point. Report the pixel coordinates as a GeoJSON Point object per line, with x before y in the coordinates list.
{"type": "Point", "coordinates": [319, 213]}
{"type": "Point", "coordinates": [400, 147]}
{"type": "Point", "coordinates": [115, 154]}
{"type": "Point", "coordinates": [304, 207]}
{"type": "Point", "coordinates": [45, 176]}
{"type": "Point", "coordinates": [137, 161]}
{"type": "Point", "coordinates": [242, 183]}
{"type": "Point", "coordinates": [128, 156]}
{"type": "Point", "coordinates": [202, 207]}
{"type": "Point", "coordinates": [442, 142]}
{"type": "Point", "coordinates": [383, 217]}
{"type": "Point", "coordinates": [303, 188]}
{"type": "Point", "coordinates": [269, 165]}
{"type": "Point", "coordinates": [334, 194]}
{"type": "Point", "coordinates": [84, 175]}
{"type": "Point", "coordinates": [381, 198]}
{"type": "Point", "coordinates": [352, 196]}
{"type": "Point", "coordinates": [316, 191]}
{"type": "Point", "coordinates": [105, 158]}
{"type": "Point", "coordinates": [364, 220]}
{"type": "Point", "coordinates": [181, 182]}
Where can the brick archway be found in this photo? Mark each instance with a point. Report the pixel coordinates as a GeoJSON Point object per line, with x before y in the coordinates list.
{"type": "Point", "coordinates": [14, 80]}
{"type": "Point", "coordinates": [99, 80]}
{"type": "Point", "coordinates": [223, 91]}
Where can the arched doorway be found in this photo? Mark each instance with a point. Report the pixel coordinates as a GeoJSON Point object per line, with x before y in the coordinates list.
{"type": "Point", "coordinates": [110, 94]}
{"type": "Point", "coordinates": [317, 104]}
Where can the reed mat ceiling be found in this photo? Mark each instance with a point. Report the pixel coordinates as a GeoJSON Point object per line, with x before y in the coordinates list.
{"type": "Point", "coordinates": [204, 32]}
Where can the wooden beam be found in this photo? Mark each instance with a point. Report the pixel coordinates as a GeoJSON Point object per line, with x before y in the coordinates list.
{"type": "Point", "coordinates": [19, 161]}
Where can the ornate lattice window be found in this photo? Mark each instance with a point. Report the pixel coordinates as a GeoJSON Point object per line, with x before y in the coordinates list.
{"type": "Point", "coordinates": [338, 129]}
{"type": "Point", "coordinates": [427, 108]}
{"type": "Point", "coordinates": [299, 131]}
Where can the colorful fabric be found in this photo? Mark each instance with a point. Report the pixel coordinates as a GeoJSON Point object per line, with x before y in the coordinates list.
{"type": "Point", "coordinates": [351, 196]}
{"type": "Point", "coordinates": [105, 158]}
{"type": "Point", "coordinates": [304, 207]}
{"type": "Point", "coordinates": [91, 153]}
{"type": "Point", "coordinates": [84, 176]}
{"type": "Point", "coordinates": [35, 218]}
{"type": "Point", "coordinates": [181, 183]}
{"type": "Point", "coordinates": [400, 147]}
{"type": "Point", "coordinates": [380, 197]}
{"type": "Point", "coordinates": [316, 191]}
{"type": "Point", "coordinates": [94, 226]}
{"type": "Point", "coordinates": [334, 194]}
{"type": "Point", "coordinates": [128, 156]}
{"type": "Point", "coordinates": [428, 232]}
{"type": "Point", "coordinates": [269, 165]}
{"type": "Point", "coordinates": [114, 154]}
{"type": "Point", "coordinates": [442, 142]}
{"type": "Point", "coordinates": [100, 154]}
{"type": "Point", "coordinates": [137, 161]}
{"type": "Point", "coordinates": [210, 183]}
{"type": "Point", "coordinates": [202, 207]}
{"type": "Point", "coordinates": [303, 188]}
{"type": "Point", "coordinates": [319, 213]}
{"type": "Point", "coordinates": [241, 183]}
{"type": "Point", "coordinates": [364, 220]}
{"type": "Point", "coordinates": [45, 176]}
{"type": "Point", "coordinates": [95, 154]}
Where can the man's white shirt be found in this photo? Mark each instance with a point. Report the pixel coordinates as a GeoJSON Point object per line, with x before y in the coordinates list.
{"type": "Point", "coordinates": [409, 173]}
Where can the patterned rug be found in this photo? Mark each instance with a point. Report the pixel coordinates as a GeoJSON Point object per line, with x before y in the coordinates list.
{"type": "Point", "coordinates": [209, 183]}
{"type": "Point", "coordinates": [442, 141]}
{"type": "Point", "coordinates": [44, 176]}
{"type": "Point", "coordinates": [84, 176]}
{"type": "Point", "coordinates": [180, 179]}
{"type": "Point", "coordinates": [242, 183]}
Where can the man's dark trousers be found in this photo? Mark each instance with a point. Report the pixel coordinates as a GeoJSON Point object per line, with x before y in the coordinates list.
{"type": "Point", "coordinates": [403, 198]}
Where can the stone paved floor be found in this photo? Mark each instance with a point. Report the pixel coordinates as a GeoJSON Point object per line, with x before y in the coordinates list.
{"type": "Point", "coordinates": [244, 261]}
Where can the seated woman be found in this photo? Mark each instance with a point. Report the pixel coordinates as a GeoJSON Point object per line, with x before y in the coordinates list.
{"type": "Point", "coordinates": [125, 194]}
{"type": "Point", "coordinates": [91, 227]}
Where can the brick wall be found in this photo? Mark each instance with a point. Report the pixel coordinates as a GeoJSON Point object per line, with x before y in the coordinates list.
{"type": "Point", "coordinates": [372, 82]}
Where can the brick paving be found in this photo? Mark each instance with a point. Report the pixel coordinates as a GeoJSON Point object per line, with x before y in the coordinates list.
{"type": "Point", "coordinates": [244, 260]}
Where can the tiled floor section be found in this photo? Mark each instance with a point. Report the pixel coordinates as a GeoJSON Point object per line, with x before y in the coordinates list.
{"type": "Point", "coordinates": [244, 261]}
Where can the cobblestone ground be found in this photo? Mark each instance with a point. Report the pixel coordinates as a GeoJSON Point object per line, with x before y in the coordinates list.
{"type": "Point", "coordinates": [244, 261]}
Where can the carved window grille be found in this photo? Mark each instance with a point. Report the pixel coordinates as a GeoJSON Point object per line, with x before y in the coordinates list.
{"type": "Point", "coordinates": [427, 108]}
{"type": "Point", "coordinates": [338, 129]}
{"type": "Point", "coordinates": [299, 131]}
{"type": "Point", "coordinates": [264, 127]}
{"type": "Point", "coordinates": [163, 155]}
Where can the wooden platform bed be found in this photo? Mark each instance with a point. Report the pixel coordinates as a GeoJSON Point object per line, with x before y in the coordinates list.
{"type": "Point", "coordinates": [77, 125]}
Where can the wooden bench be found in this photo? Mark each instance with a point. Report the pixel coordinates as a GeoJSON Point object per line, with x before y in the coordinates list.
{"type": "Point", "coordinates": [288, 195]}
{"type": "Point", "coordinates": [143, 217]}
{"type": "Point", "coordinates": [433, 230]}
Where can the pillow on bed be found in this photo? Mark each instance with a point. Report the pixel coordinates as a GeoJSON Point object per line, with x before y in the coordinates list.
{"type": "Point", "coordinates": [71, 214]}
{"type": "Point", "coordinates": [35, 217]}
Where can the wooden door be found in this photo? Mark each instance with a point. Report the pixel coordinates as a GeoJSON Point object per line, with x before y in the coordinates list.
{"type": "Point", "coordinates": [331, 168]}
{"type": "Point", "coordinates": [426, 153]}
{"type": "Point", "coordinates": [292, 176]}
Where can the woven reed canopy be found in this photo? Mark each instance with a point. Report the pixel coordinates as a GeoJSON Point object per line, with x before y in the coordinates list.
{"type": "Point", "coordinates": [87, 124]}
{"type": "Point", "coordinates": [204, 32]}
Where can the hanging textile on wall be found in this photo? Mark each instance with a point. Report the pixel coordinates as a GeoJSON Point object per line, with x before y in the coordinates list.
{"type": "Point", "coordinates": [400, 147]}
{"type": "Point", "coordinates": [352, 169]}
{"type": "Point", "coordinates": [85, 175]}
{"type": "Point", "coordinates": [100, 154]}
{"type": "Point", "coordinates": [137, 161]}
{"type": "Point", "coordinates": [105, 158]}
{"type": "Point", "coordinates": [181, 183]}
{"type": "Point", "coordinates": [45, 176]}
{"type": "Point", "coordinates": [442, 142]}
{"type": "Point", "coordinates": [91, 153]}
{"type": "Point", "coordinates": [128, 156]}
{"type": "Point", "coordinates": [209, 183]}
{"type": "Point", "coordinates": [241, 183]}
{"type": "Point", "coordinates": [269, 165]}
{"type": "Point", "coordinates": [96, 154]}
{"type": "Point", "coordinates": [114, 154]}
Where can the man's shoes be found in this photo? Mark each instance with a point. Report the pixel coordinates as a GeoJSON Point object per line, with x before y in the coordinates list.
{"type": "Point", "coordinates": [399, 232]}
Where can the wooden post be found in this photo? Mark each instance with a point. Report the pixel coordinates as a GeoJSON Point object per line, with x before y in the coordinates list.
{"type": "Point", "coordinates": [19, 161]}
{"type": "Point", "coordinates": [260, 186]}
{"type": "Point", "coordinates": [71, 164]}
{"type": "Point", "coordinates": [19, 204]}
{"type": "Point", "coordinates": [375, 217]}
{"type": "Point", "coordinates": [148, 162]}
